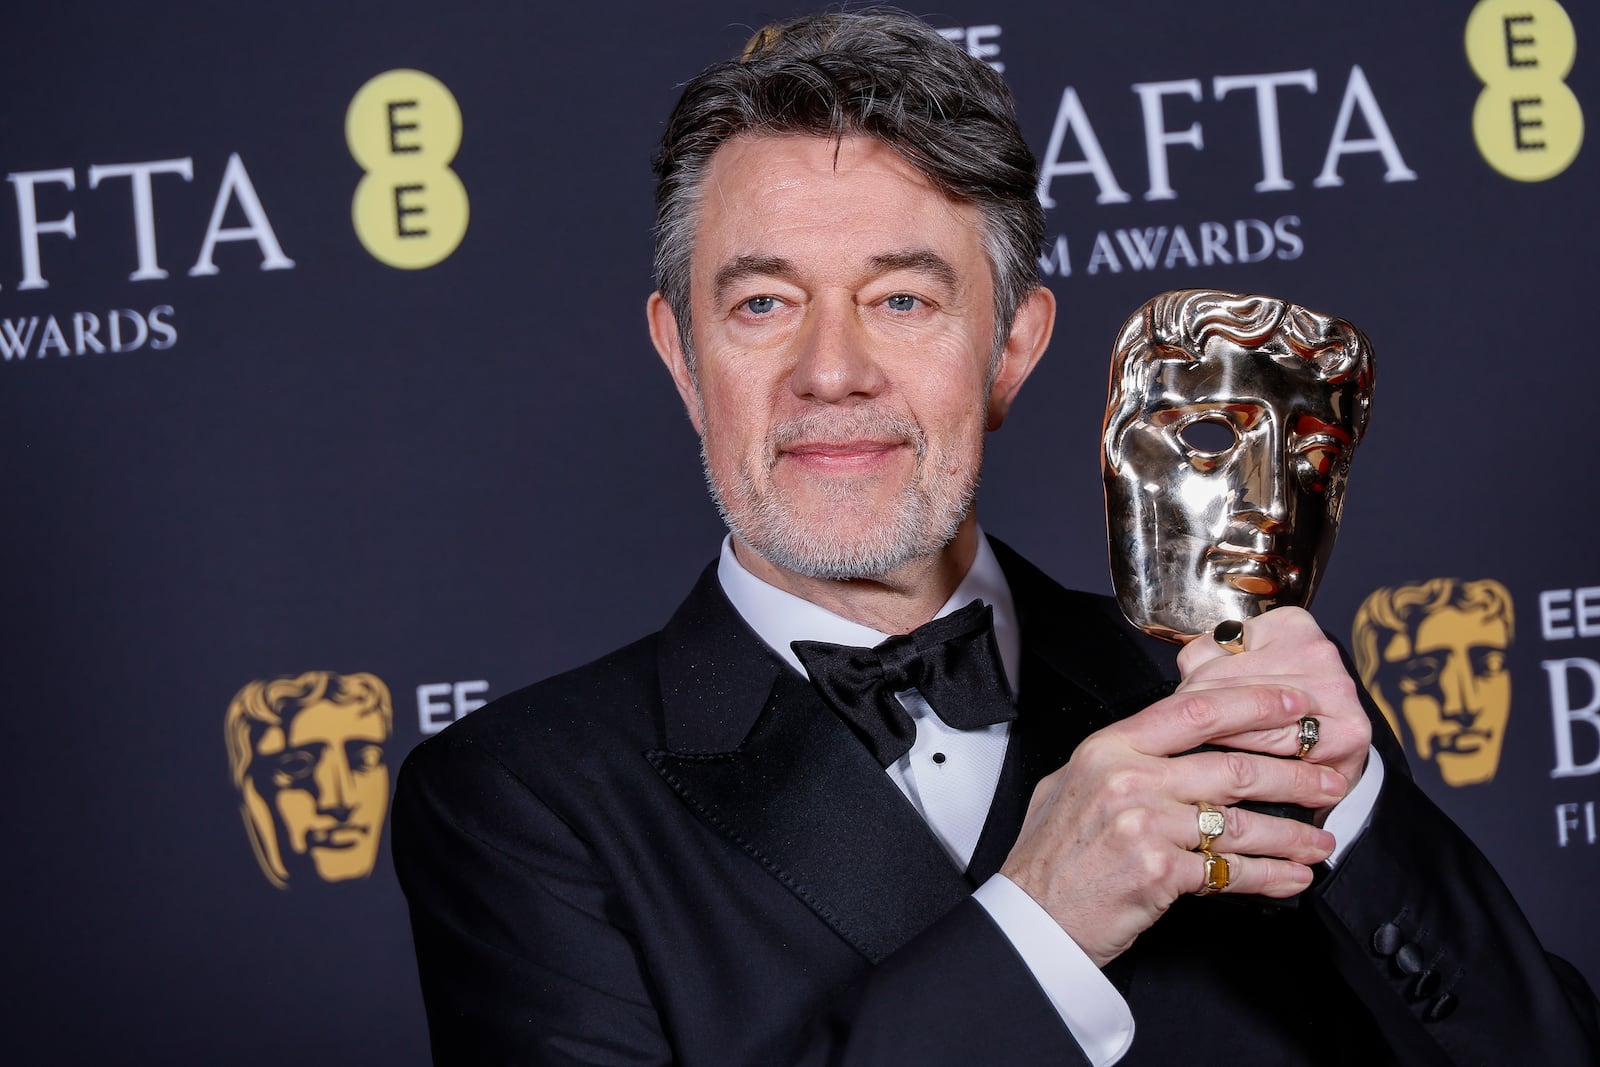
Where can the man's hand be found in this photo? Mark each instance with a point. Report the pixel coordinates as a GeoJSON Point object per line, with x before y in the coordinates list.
{"type": "Point", "coordinates": [1285, 646]}
{"type": "Point", "coordinates": [1108, 842]}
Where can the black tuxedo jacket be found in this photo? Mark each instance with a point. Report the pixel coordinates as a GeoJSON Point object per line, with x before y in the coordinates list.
{"type": "Point", "coordinates": [677, 854]}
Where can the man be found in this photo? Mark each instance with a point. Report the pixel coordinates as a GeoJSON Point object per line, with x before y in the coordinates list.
{"type": "Point", "coordinates": [751, 838]}
{"type": "Point", "coordinates": [1433, 655]}
{"type": "Point", "coordinates": [307, 758]}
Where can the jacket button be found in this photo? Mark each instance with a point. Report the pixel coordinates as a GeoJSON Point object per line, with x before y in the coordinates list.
{"type": "Point", "coordinates": [1408, 960]}
{"type": "Point", "coordinates": [1441, 1007]}
{"type": "Point", "coordinates": [1423, 986]}
{"type": "Point", "coordinates": [1385, 939]}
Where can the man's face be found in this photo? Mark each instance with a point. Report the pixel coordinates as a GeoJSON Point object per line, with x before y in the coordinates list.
{"type": "Point", "coordinates": [327, 788]}
{"type": "Point", "coordinates": [843, 315]}
{"type": "Point", "coordinates": [1453, 689]}
{"type": "Point", "coordinates": [1220, 501]}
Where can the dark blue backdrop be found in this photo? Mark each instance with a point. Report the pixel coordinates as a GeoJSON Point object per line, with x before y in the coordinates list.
{"type": "Point", "coordinates": [465, 477]}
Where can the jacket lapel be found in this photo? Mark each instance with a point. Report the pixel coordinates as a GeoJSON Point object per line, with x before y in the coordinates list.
{"type": "Point", "coordinates": [754, 752]}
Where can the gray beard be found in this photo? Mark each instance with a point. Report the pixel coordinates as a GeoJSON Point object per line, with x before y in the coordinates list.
{"type": "Point", "coordinates": [767, 520]}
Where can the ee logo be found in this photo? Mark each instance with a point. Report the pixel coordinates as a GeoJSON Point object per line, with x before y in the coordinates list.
{"type": "Point", "coordinates": [1527, 122]}
{"type": "Point", "coordinates": [403, 127]}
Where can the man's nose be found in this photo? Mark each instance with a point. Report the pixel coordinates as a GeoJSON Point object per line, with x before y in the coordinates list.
{"type": "Point", "coordinates": [835, 359]}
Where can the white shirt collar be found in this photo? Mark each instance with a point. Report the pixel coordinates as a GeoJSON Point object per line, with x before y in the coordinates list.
{"type": "Point", "coordinates": [779, 617]}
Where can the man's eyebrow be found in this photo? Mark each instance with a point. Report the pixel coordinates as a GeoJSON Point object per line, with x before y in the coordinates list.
{"type": "Point", "coordinates": [921, 260]}
{"type": "Point", "coordinates": [746, 266]}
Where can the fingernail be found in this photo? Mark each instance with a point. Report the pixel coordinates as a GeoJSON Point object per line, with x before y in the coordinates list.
{"type": "Point", "coordinates": [1333, 783]}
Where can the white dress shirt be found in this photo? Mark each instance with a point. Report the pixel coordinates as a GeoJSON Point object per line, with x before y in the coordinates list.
{"type": "Point", "coordinates": [950, 775]}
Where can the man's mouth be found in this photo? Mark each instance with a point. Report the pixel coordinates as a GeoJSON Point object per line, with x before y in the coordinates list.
{"type": "Point", "coordinates": [840, 456]}
{"type": "Point", "coordinates": [844, 442]}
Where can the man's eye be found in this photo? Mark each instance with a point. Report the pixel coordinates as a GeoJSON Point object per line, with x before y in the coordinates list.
{"type": "Point", "coordinates": [761, 305]}
{"type": "Point", "coordinates": [901, 302]}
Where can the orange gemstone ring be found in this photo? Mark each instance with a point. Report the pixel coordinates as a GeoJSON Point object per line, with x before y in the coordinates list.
{"type": "Point", "coordinates": [1216, 879]}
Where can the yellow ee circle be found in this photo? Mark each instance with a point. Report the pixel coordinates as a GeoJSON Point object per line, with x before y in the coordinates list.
{"type": "Point", "coordinates": [411, 221]}
{"type": "Point", "coordinates": [403, 119]}
{"type": "Point", "coordinates": [1520, 39]}
{"type": "Point", "coordinates": [1530, 134]}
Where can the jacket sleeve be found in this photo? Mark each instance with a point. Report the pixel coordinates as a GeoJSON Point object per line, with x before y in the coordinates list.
{"type": "Point", "coordinates": [521, 957]}
{"type": "Point", "coordinates": [1435, 946]}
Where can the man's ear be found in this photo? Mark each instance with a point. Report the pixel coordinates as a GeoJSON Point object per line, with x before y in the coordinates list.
{"type": "Point", "coordinates": [669, 344]}
{"type": "Point", "coordinates": [1030, 333]}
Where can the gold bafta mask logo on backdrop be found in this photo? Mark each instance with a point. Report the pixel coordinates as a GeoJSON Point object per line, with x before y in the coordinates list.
{"type": "Point", "coordinates": [307, 758]}
{"type": "Point", "coordinates": [1433, 655]}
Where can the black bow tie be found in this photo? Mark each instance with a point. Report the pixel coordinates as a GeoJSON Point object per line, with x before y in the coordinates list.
{"type": "Point", "coordinates": [953, 662]}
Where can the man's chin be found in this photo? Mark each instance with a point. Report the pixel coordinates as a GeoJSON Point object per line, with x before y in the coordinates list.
{"type": "Point", "coordinates": [831, 560]}
{"type": "Point", "coordinates": [844, 546]}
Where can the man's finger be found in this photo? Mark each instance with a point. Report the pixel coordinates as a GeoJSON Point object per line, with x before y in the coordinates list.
{"type": "Point", "coordinates": [1250, 833]}
{"type": "Point", "coordinates": [1192, 717]}
{"type": "Point", "coordinates": [1227, 777]}
{"type": "Point", "coordinates": [1255, 875]}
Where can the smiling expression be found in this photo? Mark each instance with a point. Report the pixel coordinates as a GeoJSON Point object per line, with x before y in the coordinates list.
{"type": "Point", "coordinates": [842, 320]}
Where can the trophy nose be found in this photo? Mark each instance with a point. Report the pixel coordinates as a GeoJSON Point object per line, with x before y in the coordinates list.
{"type": "Point", "coordinates": [1261, 490]}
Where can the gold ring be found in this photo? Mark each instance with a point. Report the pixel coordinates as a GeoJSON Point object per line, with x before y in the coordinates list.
{"type": "Point", "coordinates": [1310, 734]}
{"type": "Point", "coordinates": [1230, 635]}
{"type": "Point", "coordinates": [1211, 825]}
{"type": "Point", "coordinates": [1216, 879]}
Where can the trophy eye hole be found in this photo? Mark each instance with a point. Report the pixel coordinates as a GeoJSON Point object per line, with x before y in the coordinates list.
{"type": "Point", "coordinates": [1208, 435]}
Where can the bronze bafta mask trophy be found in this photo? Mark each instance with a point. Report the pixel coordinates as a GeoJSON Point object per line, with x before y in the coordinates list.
{"type": "Point", "coordinates": [1229, 429]}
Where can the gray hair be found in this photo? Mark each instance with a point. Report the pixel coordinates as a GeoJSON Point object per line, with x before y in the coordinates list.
{"type": "Point", "coordinates": [879, 74]}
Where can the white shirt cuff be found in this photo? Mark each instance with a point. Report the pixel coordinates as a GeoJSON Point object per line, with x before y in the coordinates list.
{"type": "Point", "coordinates": [1084, 998]}
{"type": "Point", "coordinates": [1350, 817]}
